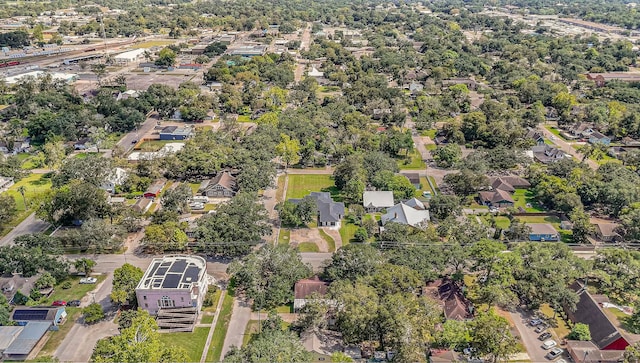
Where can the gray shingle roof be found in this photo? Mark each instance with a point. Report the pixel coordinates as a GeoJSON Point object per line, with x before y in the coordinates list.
{"type": "Point", "coordinates": [28, 338]}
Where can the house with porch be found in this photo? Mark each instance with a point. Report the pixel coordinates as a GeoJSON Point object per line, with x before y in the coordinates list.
{"type": "Point", "coordinates": [330, 213]}
{"type": "Point", "coordinates": [496, 198]}
{"type": "Point", "coordinates": [223, 185]}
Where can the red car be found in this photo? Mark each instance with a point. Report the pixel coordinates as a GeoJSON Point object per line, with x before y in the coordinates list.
{"type": "Point", "coordinates": [59, 303]}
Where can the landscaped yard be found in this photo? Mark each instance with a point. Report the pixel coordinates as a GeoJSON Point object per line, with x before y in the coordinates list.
{"type": "Point", "coordinates": [555, 131]}
{"type": "Point", "coordinates": [301, 185]}
{"type": "Point", "coordinates": [215, 349]}
{"type": "Point", "coordinates": [76, 292]}
{"type": "Point", "coordinates": [412, 162]}
{"type": "Point", "coordinates": [83, 155]}
{"type": "Point", "coordinates": [193, 342]}
{"type": "Point", "coordinates": [56, 337]}
{"type": "Point", "coordinates": [308, 247]}
{"type": "Point", "coordinates": [347, 231]}
{"type": "Point", "coordinates": [561, 328]}
{"type": "Point", "coordinates": [430, 133]}
{"type": "Point", "coordinates": [206, 319]}
{"type": "Point", "coordinates": [500, 221]}
{"type": "Point", "coordinates": [523, 196]}
{"type": "Point", "coordinates": [216, 298]}
{"type": "Point", "coordinates": [330, 242]}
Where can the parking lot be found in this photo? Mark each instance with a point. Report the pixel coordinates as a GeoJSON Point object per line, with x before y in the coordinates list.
{"type": "Point", "coordinates": [530, 339]}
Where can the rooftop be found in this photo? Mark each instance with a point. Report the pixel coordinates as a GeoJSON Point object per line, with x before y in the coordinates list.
{"type": "Point", "coordinates": [304, 288]}
{"type": "Point", "coordinates": [377, 199]}
{"type": "Point", "coordinates": [173, 272]}
{"type": "Point", "coordinates": [28, 338]}
{"type": "Point", "coordinates": [542, 228]}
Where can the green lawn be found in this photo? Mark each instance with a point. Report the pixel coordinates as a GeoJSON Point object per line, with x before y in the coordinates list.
{"type": "Point", "coordinates": [500, 221]}
{"type": "Point", "coordinates": [193, 342]}
{"type": "Point", "coordinates": [194, 187]}
{"type": "Point", "coordinates": [83, 155]}
{"type": "Point", "coordinates": [412, 162]}
{"type": "Point", "coordinates": [280, 190]}
{"type": "Point", "coordinates": [328, 89]}
{"type": "Point", "coordinates": [252, 328]}
{"type": "Point", "coordinates": [215, 349]}
{"type": "Point", "coordinates": [56, 337]}
{"type": "Point", "coordinates": [430, 133]}
{"type": "Point", "coordinates": [330, 242]}
{"type": "Point", "coordinates": [216, 298]}
{"type": "Point", "coordinates": [425, 188]}
{"type": "Point", "coordinates": [301, 185]}
{"type": "Point", "coordinates": [560, 327]}
{"type": "Point", "coordinates": [347, 231]}
{"type": "Point", "coordinates": [308, 247]}
{"type": "Point", "coordinates": [435, 185]}
{"type": "Point", "coordinates": [206, 319]}
{"type": "Point", "coordinates": [430, 147]}
{"type": "Point", "coordinates": [36, 185]}
{"type": "Point", "coordinates": [76, 292]}
{"type": "Point", "coordinates": [524, 196]}
{"type": "Point", "coordinates": [606, 158]}
{"type": "Point", "coordinates": [555, 131]}
{"type": "Point", "coordinates": [244, 118]}
{"type": "Point", "coordinates": [284, 236]}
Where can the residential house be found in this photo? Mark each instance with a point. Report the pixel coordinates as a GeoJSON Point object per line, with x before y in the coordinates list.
{"type": "Point", "coordinates": [22, 145]}
{"type": "Point", "coordinates": [82, 144]}
{"type": "Point", "coordinates": [322, 343]}
{"type": "Point", "coordinates": [582, 130]}
{"type": "Point", "coordinates": [173, 282]}
{"type": "Point", "coordinates": [536, 136]}
{"type": "Point", "coordinates": [18, 342]}
{"type": "Point", "coordinates": [376, 201]}
{"type": "Point", "coordinates": [547, 154]}
{"type": "Point", "coordinates": [414, 179]}
{"type": "Point", "coordinates": [628, 141]}
{"type": "Point", "coordinates": [330, 213]}
{"type": "Point", "coordinates": [415, 88]}
{"type": "Point", "coordinates": [305, 288]}
{"type": "Point", "coordinates": [598, 138]}
{"type": "Point", "coordinates": [142, 205]}
{"type": "Point", "coordinates": [455, 304]}
{"type": "Point", "coordinates": [404, 214]}
{"type": "Point", "coordinates": [469, 82]}
{"type": "Point", "coordinates": [606, 231]}
{"type": "Point", "coordinates": [617, 151]}
{"type": "Point", "coordinates": [176, 133]}
{"type": "Point", "coordinates": [496, 198]}
{"type": "Point", "coordinates": [5, 183]}
{"type": "Point", "coordinates": [415, 204]}
{"type": "Point", "coordinates": [52, 314]}
{"type": "Point", "coordinates": [153, 191]}
{"type": "Point", "coordinates": [542, 232]}
{"type": "Point", "coordinates": [222, 185]}
{"type": "Point", "coordinates": [605, 336]}
{"type": "Point", "coordinates": [116, 178]}
{"type": "Point", "coordinates": [509, 183]}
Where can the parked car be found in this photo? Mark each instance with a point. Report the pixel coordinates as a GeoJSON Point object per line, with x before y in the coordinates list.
{"type": "Point", "coordinates": [88, 280]}
{"type": "Point", "coordinates": [554, 353]}
{"type": "Point", "coordinates": [535, 322]}
{"type": "Point", "coordinates": [549, 344]}
{"type": "Point", "coordinates": [540, 328]}
{"type": "Point", "coordinates": [73, 303]}
{"type": "Point", "coordinates": [544, 336]}
{"type": "Point", "coordinates": [59, 303]}
{"type": "Point", "coordinates": [196, 206]}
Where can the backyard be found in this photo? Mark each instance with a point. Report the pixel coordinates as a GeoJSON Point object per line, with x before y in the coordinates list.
{"type": "Point", "coordinates": [347, 231]}
{"type": "Point", "coordinates": [522, 197]}
{"type": "Point", "coordinates": [76, 292]}
{"type": "Point", "coordinates": [300, 185]}
{"type": "Point", "coordinates": [411, 162]}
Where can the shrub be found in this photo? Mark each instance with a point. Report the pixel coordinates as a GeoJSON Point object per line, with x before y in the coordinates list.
{"type": "Point", "coordinates": [209, 298]}
{"type": "Point", "coordinates": [66, 285]}
{"type": "Point", "coordinates": [93, 313]}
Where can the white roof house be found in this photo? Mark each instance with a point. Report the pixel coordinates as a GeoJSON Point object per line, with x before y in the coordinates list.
{"type": "Point", "coordinates": [404, 214]}
{"type": "Point", "coordinates": [169, 148]}
{"type": "Point", "coordinates": [117, 177]}
{"type": "Point", "coordinates": [314, 72]}
{"type": "Point", "coordinates": [377, 199]}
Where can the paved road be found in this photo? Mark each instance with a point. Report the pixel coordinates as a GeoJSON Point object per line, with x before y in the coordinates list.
{"type": "Point", "coordinates": [127, 142]}
{"type": "Point", "coordinates": [566, 147]}
{"type": "Point", "coordinates": [31, 224]}
{"type": "Point", "coordinates": [305, 41]}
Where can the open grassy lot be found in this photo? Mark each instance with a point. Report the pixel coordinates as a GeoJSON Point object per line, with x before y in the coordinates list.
{"type": "Point", "coordinates": [76, 292]}
{"type": "Point", "coordinates": [244, 118]}
{"type": "Point", "coordinates": [56, 337]}
{"type": "Point", "coordinates": [36, 185]}
{"type": "Point", "coordinates": [215, 349]}
{"type": "Point", "coordinates": [412, 162]}
{"type": "Point", "coordinates": [347, 231]}
{"type": "Point", "coordinates": [523, 196]}
{"type": "Point", "coordinates": [151, 44]}
{"type": "Point", "coordinates": [193, 342]}
{"type": "Point", "coordinates": [308, 247]}
{"type": "Point", "coordinates": [330, 242]}
{"type": "Point", "coordinates": [301, 185]}
{"type": "Point", "coordinates": [284, 237]}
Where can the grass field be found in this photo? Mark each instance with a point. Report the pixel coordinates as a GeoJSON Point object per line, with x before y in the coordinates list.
{"type": "Point", "coordinates": [308, 247]}
{"type": "Point", "coordinates": [280, 190]}
{"type": "Point", "coordinates": [215, 349]}
{"type": "Point", "coordinates": [244, 118]}
{"type": "Point", "coordinates": [206, 319]}
{"type": "Point", "coordinates": [284, 237]}
{"type": "Point", "coordinates": [193, 342]}
{"type": "Point", "coordinates": [301, 185]}
{"type": "Point", "coordinates": [76, 292]}
{"type": "Point", "coordinates": [430, 133]}
{"type": "Point", "coordinates": [347, 231]}
{"type": "Point", "coordinates": [216, 298]}
{"type": "Point", "coordinates": [56, 337]}
{"type": "Point", "coordinates": [151, 44]}
{"type": "Point", "coordinates": [561, 328]}
{"type": "Point", "coordinates": [330, 242]}
{"type": "Point", "coordinates": [36, 185]}
{"type": "Point", "coordinates": [523, 196]}
{"type": "Point", "coordinates": [412, 162]}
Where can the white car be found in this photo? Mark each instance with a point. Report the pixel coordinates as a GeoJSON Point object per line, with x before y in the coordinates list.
{"type": "Point", "coordinates": [554, 353]}
{"type": "Point", "coordinates": [88, 280]}
{"type": "Point", "coordinates": [549, 344]}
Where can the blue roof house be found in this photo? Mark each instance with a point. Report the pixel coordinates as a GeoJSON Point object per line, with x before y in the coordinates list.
{"type": "Point", "coordinates": [542, 232]}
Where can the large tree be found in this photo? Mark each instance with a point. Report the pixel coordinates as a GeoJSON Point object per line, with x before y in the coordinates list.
{"type": "Point", "coordinates": [267, 275]}
{"type": "Point", "coordinates": [125, 280]}
{"type": "Point", "coordinates": [75, 202]}
{"type": "Point", "coordinates": [490, 336]}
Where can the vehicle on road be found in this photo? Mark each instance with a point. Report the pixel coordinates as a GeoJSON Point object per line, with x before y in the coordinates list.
{"type": "Point", "coordinates": [544, 336]}
{"type": "Point", "coordinates": [535, 322]}
{"type": "Point", "coordinates": [88, 280]}
{"type": "Point", "coordinates": [59, 303]}
{"type": "Point", "coordinates": [134, 141]}
{"type": "Point", "coordinates": [554, 353]}
{"type": "Point", "coordinates": [549, 344]}
{"type": "Point", "coordinates": [73, 303]}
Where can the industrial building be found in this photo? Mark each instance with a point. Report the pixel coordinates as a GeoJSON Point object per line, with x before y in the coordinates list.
{"type": "Point", "coordinates": [129, 57]}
